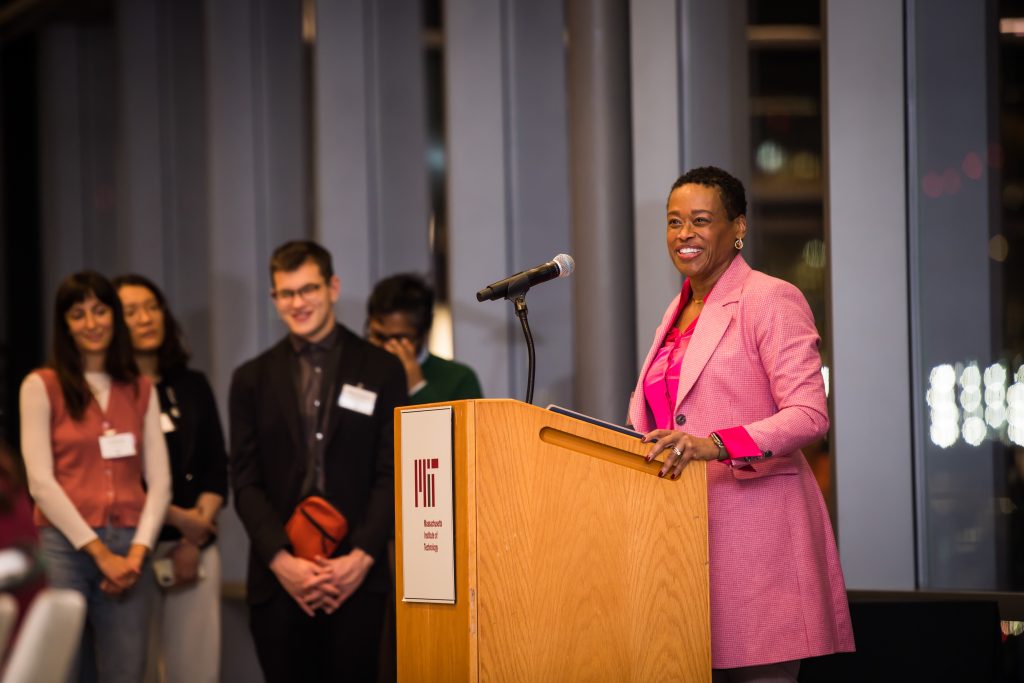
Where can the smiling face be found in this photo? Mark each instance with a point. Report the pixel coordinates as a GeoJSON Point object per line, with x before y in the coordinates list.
{"type": "Point", "coordinates": [700, 235]}
{"type": "Point", "coordinates": [144, 316]}
{"type": "Point", "coordinates": [305, 301]}
{"type": "Point", "coordinates": [90, 323]}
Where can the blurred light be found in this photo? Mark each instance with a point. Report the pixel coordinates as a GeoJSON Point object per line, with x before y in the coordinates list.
{"type": "Point", "coordinates": [1019, 375]}
{"type": "Point", "coordinates": [972, 166]}
{"type": "Point", "coordinates": [944, 434]}
{"type": "Point", "coordinates": [814, 253]}
{"type": "Point", "coordinates": [806, 166]}
{"type": "Point", "coordinates": [995, 416]}
{"type": "Point", "coordinates": [973, 431]}
{"type": "Point", "coordinates": [970, 378]}
{"type": "Point", "coordinates": [770, 157]}
{"type": "Point", "coordinates": [995, 375]}
{"type": "Point", "coordinates": [998, 248]}
{"type": "Point", "coordinates": [442, 338]}
{"type": "Point", "coordinates": [951, 182]}
{"type": "Point", "coordinates": [994, 395]}
{"type": "Point", "coordinates": [1015, 434]}
{"type": "Point", "coordinates": [1012, 25]}
{"type": "Point", "coordinates": [931, 184]}
{"type": "Point", "coordinates": [824, 377]}
{"type": "Point", "coordinates": [942, 376]}
{"type": "Point", "coordinates": [309, 22]}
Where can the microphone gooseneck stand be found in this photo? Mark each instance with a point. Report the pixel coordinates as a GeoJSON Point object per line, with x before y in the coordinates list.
{"type": "Point", "coordinates": [517, 290]}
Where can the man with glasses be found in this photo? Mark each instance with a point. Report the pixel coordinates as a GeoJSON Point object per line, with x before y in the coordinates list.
{"type": "Point", "coordinates": [313, 415]}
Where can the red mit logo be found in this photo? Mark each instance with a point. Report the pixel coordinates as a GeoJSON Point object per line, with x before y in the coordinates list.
{"type": "Point", "coordinates": [425, 481]}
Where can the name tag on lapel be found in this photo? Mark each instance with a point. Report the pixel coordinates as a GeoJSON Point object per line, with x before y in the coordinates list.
{"type": "Point", "coordinates": [358, 399]}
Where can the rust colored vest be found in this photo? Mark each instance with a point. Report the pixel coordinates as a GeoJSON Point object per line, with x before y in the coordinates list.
{"type": "Point", "coordinates": [106, 492]}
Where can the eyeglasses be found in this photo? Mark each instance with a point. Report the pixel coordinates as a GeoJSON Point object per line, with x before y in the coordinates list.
{"type": "Point", "coordinates": [305, 292]}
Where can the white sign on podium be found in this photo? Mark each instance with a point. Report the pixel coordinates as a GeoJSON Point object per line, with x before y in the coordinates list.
{"type": "Point", "coordinates": [428, 534]}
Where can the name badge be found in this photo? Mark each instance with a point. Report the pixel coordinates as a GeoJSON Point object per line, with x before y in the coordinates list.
{"type": "Point", "coordinates": [117, 445]}
{"type": "Point", "coordinates": [358, 399]}
{"type": "Point", "coordinates": [166, 423]}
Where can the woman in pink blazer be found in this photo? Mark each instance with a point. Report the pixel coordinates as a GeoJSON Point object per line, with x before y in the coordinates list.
{"type": "Point", "coordinates": [733, 378]}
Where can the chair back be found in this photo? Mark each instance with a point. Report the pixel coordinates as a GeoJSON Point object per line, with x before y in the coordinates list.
{"type": "Point", "coordinates": [49, 638]}
{"type": "Point", "coordinates": [8, 618]}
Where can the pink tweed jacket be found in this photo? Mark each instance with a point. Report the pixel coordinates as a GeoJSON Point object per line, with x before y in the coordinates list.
{"type": "Point", "coordinates": [777, 590]}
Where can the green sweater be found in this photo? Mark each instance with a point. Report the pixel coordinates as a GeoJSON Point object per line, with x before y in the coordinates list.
{"type": "Point", "coordinates": [446, 381]}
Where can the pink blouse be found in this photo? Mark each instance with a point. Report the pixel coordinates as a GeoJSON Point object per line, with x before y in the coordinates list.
{"type": "Point", "coordinates": [661, 385]}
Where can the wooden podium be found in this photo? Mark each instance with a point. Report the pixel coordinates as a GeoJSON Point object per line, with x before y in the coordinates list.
{"type": "Point", "coordinates": [573, 560]}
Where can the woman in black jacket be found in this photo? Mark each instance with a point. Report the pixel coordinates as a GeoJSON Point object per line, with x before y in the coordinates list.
{"type": "Point", "coordinates": [186, 562]}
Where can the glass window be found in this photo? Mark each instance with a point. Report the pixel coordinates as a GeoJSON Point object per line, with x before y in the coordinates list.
{"type": "Point", "coordinates": [966, 185]}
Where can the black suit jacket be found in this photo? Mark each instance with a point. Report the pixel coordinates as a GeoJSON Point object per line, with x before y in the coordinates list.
{"type": "Point", "coordinates": [269, 458]}
{"type": "Point", "coordinates": [196, 446]}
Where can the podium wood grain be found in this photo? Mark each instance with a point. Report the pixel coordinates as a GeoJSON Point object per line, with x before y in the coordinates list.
{"type": "Point", "coordinates": [574, 561]}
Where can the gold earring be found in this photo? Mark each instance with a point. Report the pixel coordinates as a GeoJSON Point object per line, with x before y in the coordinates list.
{"type": "Point", "coordinates": [738, 244]}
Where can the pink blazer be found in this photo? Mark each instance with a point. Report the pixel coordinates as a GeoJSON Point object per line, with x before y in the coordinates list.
{"type": "Point", "coordinates": [777, 590]}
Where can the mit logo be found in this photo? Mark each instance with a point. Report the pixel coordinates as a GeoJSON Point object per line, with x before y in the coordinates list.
{"type": "Point", "coordinates": [425, 482]}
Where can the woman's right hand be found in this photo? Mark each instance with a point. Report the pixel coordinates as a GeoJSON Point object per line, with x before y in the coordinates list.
{"type": "Point", "coordinates": [119, 573]}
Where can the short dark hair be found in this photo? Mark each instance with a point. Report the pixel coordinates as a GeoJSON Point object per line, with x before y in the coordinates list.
{"type": "Point", "coordinates": [67, 359]}
{"type": "Point", "coordinates": [730, 189]}
{"type": "Point", "coordinates": [291, 255]}
{"type": "Point", "coordinates": [403, 293]}
{"type": "Point", "coordinates": [172, 356]}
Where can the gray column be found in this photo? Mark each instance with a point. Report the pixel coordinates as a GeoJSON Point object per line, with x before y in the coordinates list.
{"type": "Point", "coordinates": [140, 182]}
{"type": "Point", "coordinates": [602, 206]}
{"type": "Point", "coordinates": [656, 92]}
{"type": "Point", "coordinates": [342, 151]}
{"type": "Point", "coordinates": [715, 102]}
{"type": "Point", "coordinates": [868, 307]}
{"type": "Point", "coordinates": [477, 181]}
{"type": "Point", "coordinates": [508, 188]}
{"type": "Point", "coordinates": [187, 275]}
{"type": "Point", "coordinates": [252, 48]}
{"type": "Point", "coordinates": [372, 203]}
{"type": "Point", "coordinates": [716, 93]}
{"type": "Point", "coordinates": [161, 179]}
{"type": "Point", "coordinates": [77, 194]}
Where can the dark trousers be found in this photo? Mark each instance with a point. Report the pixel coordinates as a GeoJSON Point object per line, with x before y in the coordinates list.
{"type": "Point", "coordinates": [344, 646]}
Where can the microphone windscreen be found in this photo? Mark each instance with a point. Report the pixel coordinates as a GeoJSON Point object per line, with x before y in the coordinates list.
{"type": "Point", "coordinates": [565, 265]}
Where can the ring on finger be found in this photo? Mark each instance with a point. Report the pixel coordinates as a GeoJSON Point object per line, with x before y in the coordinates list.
{"type": "Point", "coordinates": [675, 449]}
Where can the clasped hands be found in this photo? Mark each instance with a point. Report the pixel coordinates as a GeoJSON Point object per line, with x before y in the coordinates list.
{"type": "Point", "coordinates": [680, 448]}
{"type": "Point", "coordinates": [323, 584]}
{"type": "Point", "coordinates": [120, 572]}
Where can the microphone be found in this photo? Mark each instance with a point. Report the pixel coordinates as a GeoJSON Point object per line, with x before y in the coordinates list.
{"type": "Point", "coordinates": [518, 284]}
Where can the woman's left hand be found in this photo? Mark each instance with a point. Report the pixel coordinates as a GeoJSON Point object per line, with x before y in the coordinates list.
{"type": "Point", "coordinates": [680, 448]}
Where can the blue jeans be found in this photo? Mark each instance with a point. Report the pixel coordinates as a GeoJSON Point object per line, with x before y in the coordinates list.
{"type": "Point", "coordinates": [115, 626]}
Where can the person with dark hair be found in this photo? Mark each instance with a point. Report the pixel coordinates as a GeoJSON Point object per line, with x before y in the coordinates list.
{"type": "Point", "coordinates": [187, 562]}
{"type": "Point", "coordinates": [399, 314]}
{"type": "Point", "coordinates": [313, 417]}
{"type": "Point", "coordinates": [97, 469]}
{"type": "Point", "coordinates": [733, 383]}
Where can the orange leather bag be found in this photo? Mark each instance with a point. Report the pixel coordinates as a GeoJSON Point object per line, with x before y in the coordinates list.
{"type": "Point", "coordinates": [315, 528]}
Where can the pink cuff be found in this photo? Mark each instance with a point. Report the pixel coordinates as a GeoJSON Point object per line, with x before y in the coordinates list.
{"type": "Point", "coordinates": [738, 442]}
